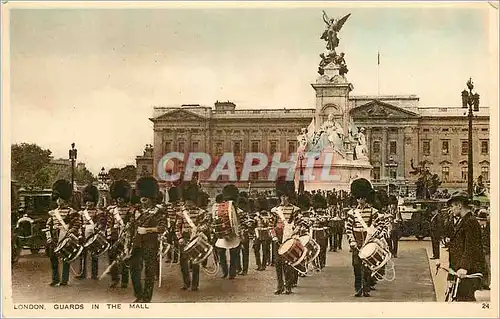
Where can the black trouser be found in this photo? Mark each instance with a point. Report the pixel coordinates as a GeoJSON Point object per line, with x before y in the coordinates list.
{"type": "Point", "coordinates": [273, 252]}
{"type": "Point", "coordinates": [187, 266]}
{"type": "Point", "coordinates": [94, 264]}
{"type": "Point", "coordinates": [54, 264]}
{"type": "Point", "coordinates": [322, 242]}
{"type": "Point", "coordinates": [361, 273]}
{"type": "Point", "coordinates": [393, 242]}
{"type": "Point", "coordinates": [257, 244]}
{"type": "Point", "coordinates": [121, 269]}
{"type": "Point", "coordinates": [233, 260]}
{"type": "Point", "coordinates": [282, 270]}
{"type": "Point", "coordinates": [143, 256]}
{"type": "Point", "coordinates": [245, 255]}
{"type": "Point", "coordinates": [436, 245]}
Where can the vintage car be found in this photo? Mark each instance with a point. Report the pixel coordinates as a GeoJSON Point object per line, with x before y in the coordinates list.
{"type": "Point", "coordinates": [416, 217]}
{"type": "Point", "coordinates": [34, 206]}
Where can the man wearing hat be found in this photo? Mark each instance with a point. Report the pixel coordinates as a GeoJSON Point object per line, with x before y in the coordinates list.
{"type": "Point", "coordinates": [465, 248]}
{"type": "Point", "coordinates": [363, 222]}
{"type": "Point", "coordinates": [436, 228]}
{"type": "Point", "coordinates": [189, 221]}
{"type": "Point", "coordinates": [148, 222]}
{"type": "Point", "coordinates": [396, 219]}
{"type": "Point", "coordinates": [244, 213]}
{"type": "Point", "coordinates": [172, 207]}
{"type": "Point", "coordinates": [62, 221]}
{"type": "Point", "coordinates": [261, 242]}
{"type": "Point", "coordinates": [93, 220]}
{"type": "Point", "coordinates": [284, 215]}
{"type": "Point", "coordinates": [119, 216]}
{"type": "Point", "coordinates": [231, 241]}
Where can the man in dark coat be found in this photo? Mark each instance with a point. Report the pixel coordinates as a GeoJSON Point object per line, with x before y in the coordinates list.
{"type": "Point", "coordinates": [436, 230]}
{"type": "Point", "coordinates": [466, 250]}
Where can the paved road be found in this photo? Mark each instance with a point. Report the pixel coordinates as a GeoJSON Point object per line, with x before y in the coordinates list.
{"type": "Point", "coordinates": [413, 282]}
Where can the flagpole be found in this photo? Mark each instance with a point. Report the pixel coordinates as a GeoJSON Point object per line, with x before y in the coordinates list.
{"type": "Point", "coordinates": [378, 73]}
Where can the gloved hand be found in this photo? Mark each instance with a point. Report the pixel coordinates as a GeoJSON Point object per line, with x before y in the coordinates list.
{"type": "Point", "coordinates": [353, 244]}
{"type": "Point", "coordinates": [461, 273]}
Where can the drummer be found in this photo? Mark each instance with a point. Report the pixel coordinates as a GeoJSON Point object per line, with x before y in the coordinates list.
{"type": "Point", "coordinates": [62, 220]}
{"type": "Point", "coordinates": [190, 220]}
{"type": "Point", "coordinates": [362, 223]}
{"type": "Point", "coordinates": [262, 238]}
{"type": "Point", "coordinates": [284, 215]}
{"type": "Point", "coordinates": [93, 220]}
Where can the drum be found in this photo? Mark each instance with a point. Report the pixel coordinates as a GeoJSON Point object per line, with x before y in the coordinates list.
{"type": "Point", "coordinates": [311, 246]}
{"type": "Point", "coordinates": [69, 248]}
{"type": "Point", "coordinates": [97, 244]}
{"type": "Point", "coordinates": [263, 233]}
{"type": "Point", "coordinates": [292, 251]}
{"type": "Point", "coordinates": [374, 256]}
{"type": "Point", "coordinates": [198, 249]}
{"type": "Point", "coordinates": [223, 225]}
{"type": "Point", "coordinates": [319, 233]}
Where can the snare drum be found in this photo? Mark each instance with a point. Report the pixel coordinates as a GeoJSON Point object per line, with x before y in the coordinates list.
{"type": "Point", "coordinates": [69, 248]}
{"type": "Point", "coordinates": [312, 247]}
{"type": "Point", "coordinates": [198, 249]}
{"type": "Point", "coordinates": [374, 256]}
{"type": "Point", "coordinates": [263, 233]}
{"type": "Point", "coordinates": [97, 244]}
{"type": "Point", "coordinates": [292, 251]}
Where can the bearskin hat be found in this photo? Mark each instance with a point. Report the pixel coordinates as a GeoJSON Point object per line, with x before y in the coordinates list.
{"type": "Point", "coordinates": [62, 189]}
{"type": "Point", "coordinates": [173, 194]}
{"type": "Point", "coordinates": [190, 191]}
{"type": "Point", "coordinates": [362, 188]}
{"type": "Point", "coordinates": [243, 203]}
{"type": "Point", "coordinates": [134, 198]}
{"type": "Point", "coordinates": [243, 194]}
{"type": "Point", "coordinates": [303, 202]}
{"type": "Point", "coordinates": [230, 192]}
{"type": "Point", "coordinates": [121, 189]}
{"type": "Point", "coordinates": [393, 200]}
{"type": "Point", "coordinates": [319, 201]}
{"type": "Point", "coordinates": [90, 194]}
{"type": "Point", "coordinates": [219, 198]}
{"type": "Point", "coordinates": [147, 186]}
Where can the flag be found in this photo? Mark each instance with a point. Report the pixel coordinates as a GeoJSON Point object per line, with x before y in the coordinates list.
{"type": "Point", "coordinates": [378, 58]}
{"type": "Point", "coordinates": [311, 128]}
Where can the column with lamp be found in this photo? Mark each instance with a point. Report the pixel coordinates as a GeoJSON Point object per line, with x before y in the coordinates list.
{"type": "Point", "coordinates": [470, 100]}
{"type": "Point", "coordinates": [103, 177]}
{"type": "Point", "coordinates": [73, 157]}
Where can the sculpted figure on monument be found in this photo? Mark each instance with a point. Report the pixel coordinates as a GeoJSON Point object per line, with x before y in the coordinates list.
{"type": "Point", "coordinates": [303, 140]}
{"type": "Point", "coordinates": [333, 26]}
{"type": "Point", "coordinates": [361, 150]}
{"type": "Point", "coordinates": [335, 134]}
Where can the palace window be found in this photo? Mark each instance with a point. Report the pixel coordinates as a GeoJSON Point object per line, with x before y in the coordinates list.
{"type": "Point", "coordinates": [484, 147]}
{"type": "Point", "coordinates": [180, 146]}
{"type": "Point", "coordinates": [464, 173]}
{"type": "Point", "coordinates": [273, 148]}
{"type": "Point", "coordinates": [255, 146]}
{"type": "Point", "coordinates": [195, 146]}
{"type": "Point", "coordinates": [485, 172]}
{"type": "Point", "coordinates": [445, 149]}
{"type": "Point", "coordinates": [376, 147]}
{"type": "Point", "coordinates": [237, 148]}
{"type": "Point", "coordinates": [426, 130]}
{"type": "Point", "coordinates": [392, 147]}
{"type": "Point", "coordinates": [426, 145]}
{"type": "Point", "coordinates": [446, 130]}
{"type": "Point", "coordinates": [484, 130]}
{"type": "Point", "coordinates": [376, 173]}
{"type": "Point", "coordinates": [445, 173]}
{"type": "Point", "coordinates": [168, 147]}
{"type": "Point", "coordinates": [465, 147]}
{"type": "Point", "coordinates": [291, 147]}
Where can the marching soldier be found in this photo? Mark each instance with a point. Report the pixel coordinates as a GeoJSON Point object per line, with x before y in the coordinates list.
{"type": "Point", "coordinates": [190, 220]}
{"type": "Point", "coordinates": [232, 241]}
{"type": "Point", "coordinates": [118, 218]}
{"type": "Point", "coordinates": [362, 223]}
{"type": "Point", "coordinates": [63, 221]}
{"type": "Point", "coordinates": [284, 215]}
{"type": "Point", "coordinates": [148, 222]}
{"type": "Point", "coordinates": [172, 209]}
{"type": "Point", "coordinates": [244, 212]}
{"type": "Point", "coordinates": [262, 237]}
{"type": "Point", "coordinates": [93, 220]}
{"type": "Point", "coordinates": [396, 220]}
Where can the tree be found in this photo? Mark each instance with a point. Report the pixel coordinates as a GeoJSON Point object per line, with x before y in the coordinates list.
{"type": "Point", "coordinates": [27, 162]}
{"type": "Point", "coordinates": [115, 174]}
{"type": "Point", "coordinates": [129, 173]}
{"type": "Point", "coordinates": [83, 176]}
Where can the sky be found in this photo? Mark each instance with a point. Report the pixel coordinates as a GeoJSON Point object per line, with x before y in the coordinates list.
{"type": "Point", "coordinates": [92, 76]}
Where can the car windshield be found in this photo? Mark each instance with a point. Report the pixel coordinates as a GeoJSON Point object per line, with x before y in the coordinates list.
{"type": "Point", "coordinates": [38, 204]}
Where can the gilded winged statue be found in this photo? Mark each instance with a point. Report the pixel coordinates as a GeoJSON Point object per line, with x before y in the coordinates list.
{"type": "Point", "coordinates": [333, 26]}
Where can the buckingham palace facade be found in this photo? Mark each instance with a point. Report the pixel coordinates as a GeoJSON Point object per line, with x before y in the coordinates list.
{"type": "Point", "coordinates": [398, 132]}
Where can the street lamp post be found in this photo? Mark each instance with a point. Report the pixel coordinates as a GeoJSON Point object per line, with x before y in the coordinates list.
{"type": "Point", "coordinates": [72, 157]}
{"type": "Point", "coordinates": [470, 100]}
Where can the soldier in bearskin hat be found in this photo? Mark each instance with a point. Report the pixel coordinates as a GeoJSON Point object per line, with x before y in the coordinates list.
{"type": "Point", "coordinates": [63, 221]}
{"type": "Point", "coordinates": [93, 220]}
{"type": "Point", "coordinates": [284, 215]}
{"type": "Point", "coordinates": [362, 223]}
{"type": "Point", "coordinates": [119, 216]}
{"type": "Point", "coordinates": [262, 241]}
{"type": "Point", "coordinates": [190, 220]}
{"type": "Point", "coordinates": [172, 207]}
{"type": "Point", "coordinates": [246, 226]}
{"type": "Point", "coordinates": [148, 222]}
{"type": "Point", "coordinates": [229, 241]}
{"type": "Point", "coordinates": [395, 219]}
